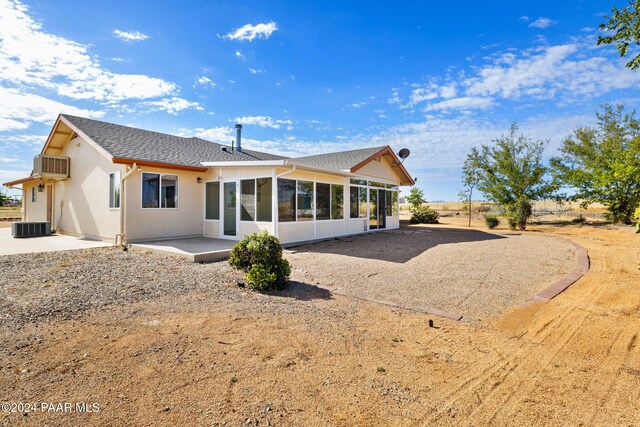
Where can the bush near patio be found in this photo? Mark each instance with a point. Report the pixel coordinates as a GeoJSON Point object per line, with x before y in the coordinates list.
{"type": "Point", "coordinates": [492, 221]}
{"type": "Point", "coordinates": [424, 215]}
{"type": "Point", "coordinates": [259, 256]}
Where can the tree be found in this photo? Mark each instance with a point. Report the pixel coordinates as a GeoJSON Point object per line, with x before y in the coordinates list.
{"type": "Point", "coordinates": [415, 198]}
{"type": "Point", "coordinates": [603, 164]}
{"type": "Point", "coordinates": [511, 173]}
{"type": "Point", "coordinates": [3, 196]}
{"type": "Point", "coordinates": [626, 24]}
{"type": "Point", "coordinates": [470, 179]}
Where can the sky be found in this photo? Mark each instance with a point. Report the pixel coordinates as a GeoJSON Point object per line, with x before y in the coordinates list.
{"type": "Point", "coordinates": [311, 77]}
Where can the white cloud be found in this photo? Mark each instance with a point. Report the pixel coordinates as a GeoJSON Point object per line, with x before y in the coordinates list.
{"type": "Point", "coordinates": [32, 60]}
{"type": "Point", "coordinates": [205, 81]}
{"type": "Point", "coordinates": [221, 135]}
{"type": "Point", "coordinates": [462, 103]}
{"type": "Point", "coordinates": [264, 121]}
{"type": "Point", "coordinates": [256, 71]}
{"type": "Point", "coordinates": [240, 55]}
{"type": "Point", "coordinates": [7, 160]}
{"type": "Point", "coordinates": [173, 105]}
{"type": "Point", "coordinates": [542, 22]}
{"type": "Point", "coordinates": [549, 71]}
{"type": "Point", "coordinates": [18, 110]}
{"type": "Point", "coordinates": [251, 32]}
{"type": "Point", "coordinates": [130, 36]}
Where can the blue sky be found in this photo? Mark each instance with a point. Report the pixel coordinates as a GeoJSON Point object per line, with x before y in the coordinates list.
{"type": "Point", "coordinates": [436, 77]}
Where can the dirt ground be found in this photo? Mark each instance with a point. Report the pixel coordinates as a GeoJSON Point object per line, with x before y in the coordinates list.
{"type": "Point", "coordinates": [325, 360]}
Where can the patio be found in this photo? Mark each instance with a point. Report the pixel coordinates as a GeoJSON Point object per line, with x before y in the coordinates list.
{"type": "Point", "coordinates": [196, 249]}
{"type": "Point", "coordinates": [52, 243]}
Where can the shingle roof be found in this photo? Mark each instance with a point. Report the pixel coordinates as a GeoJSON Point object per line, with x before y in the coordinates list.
{"type": "Point", "coordinates": [341, 160]}
{"type": "Point", "coordinates": [139, 144]}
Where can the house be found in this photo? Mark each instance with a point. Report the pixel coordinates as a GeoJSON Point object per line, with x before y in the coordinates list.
{"type": "Point", "coordinates": [103, 181]}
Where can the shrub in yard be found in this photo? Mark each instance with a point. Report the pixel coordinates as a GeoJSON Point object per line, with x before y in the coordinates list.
{"type": "Point", "coordinates": [518, 214]}
{"type": "Point", "coordinates": [492, 221]}
{"type": "Point", "coordinates": [259, 256]}
{"type": "Point", "coordinates": [424, 215]}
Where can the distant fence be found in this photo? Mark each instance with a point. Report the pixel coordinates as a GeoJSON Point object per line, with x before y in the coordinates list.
{"type": "Point", "coordinates": [540, 207]}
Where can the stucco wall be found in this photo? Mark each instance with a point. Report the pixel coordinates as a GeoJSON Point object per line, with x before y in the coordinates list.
{"type": "Point", "coordinates": [380, 169]}
{"type": "Point", "coordinates": [35, 211]}
{"type": "Point", "coordinates": [80, 204]}
{"type": "Point", "coordinates": [160, 223]}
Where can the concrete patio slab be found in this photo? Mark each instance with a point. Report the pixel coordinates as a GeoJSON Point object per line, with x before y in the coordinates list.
{"type": "Point", "coordinates": [54, 242]}
{"type": "Point", "coordinates": [197, 249]}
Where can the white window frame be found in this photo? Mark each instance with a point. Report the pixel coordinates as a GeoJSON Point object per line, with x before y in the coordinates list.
{"type": "Point", "coordinates": [160, 190]}
{"type": "Point", "coordinates": [116, 181]}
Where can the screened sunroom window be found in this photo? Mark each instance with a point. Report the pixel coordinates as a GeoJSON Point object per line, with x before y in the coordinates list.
{"type": "Point", "coordinates": [337, 201]}
{"type": "Point", "coordinates": [212, 200]}
{"type": "Point", "coordinates": [286, 200]}
{"type": "Point", "coordinates": [305, 201]}
{"type": "Point", "coordinates": [323, 201]}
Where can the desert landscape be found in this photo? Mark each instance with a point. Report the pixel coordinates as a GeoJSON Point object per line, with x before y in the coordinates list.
{"type": "Point", "coordinates": [184, 344]}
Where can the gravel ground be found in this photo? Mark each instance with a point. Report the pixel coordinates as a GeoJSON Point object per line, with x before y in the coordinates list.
{"type": "Point", "coordinates": [473, 273]}
{"type": "Point", "coordinates": [67, 284]}
{"type": "Point", "coordinates": [469, 272]}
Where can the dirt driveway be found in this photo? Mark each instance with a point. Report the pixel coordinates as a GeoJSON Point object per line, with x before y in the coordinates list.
{"type": "Point", "coordinates": [469, 272]}
{"type": "Point", "coordinates": [214, 354]}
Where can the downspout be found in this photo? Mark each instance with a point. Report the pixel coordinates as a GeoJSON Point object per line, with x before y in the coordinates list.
{"type": "Point", "coordinates": [122, 236]}
{"type": "Point", "coordinates": [275, 198]}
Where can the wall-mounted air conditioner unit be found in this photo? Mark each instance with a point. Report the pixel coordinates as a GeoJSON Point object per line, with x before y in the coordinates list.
{"type": "Point", "coordinates": [30, 229]}
{"type": "Point", "coordinates": [51, 167]}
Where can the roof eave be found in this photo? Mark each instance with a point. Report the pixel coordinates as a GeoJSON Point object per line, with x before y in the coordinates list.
{"type": "Point", "coordinates": [386, 150]}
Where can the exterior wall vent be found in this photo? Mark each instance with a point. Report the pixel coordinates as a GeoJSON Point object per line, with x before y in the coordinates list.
{"type": "Point", "coordinates": [30, 229]}
{"type": "Point", "coordinates": [52, 167]}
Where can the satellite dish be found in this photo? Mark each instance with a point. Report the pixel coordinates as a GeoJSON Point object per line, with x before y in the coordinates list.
{"type": "Point", "coordinates": [404, 153]}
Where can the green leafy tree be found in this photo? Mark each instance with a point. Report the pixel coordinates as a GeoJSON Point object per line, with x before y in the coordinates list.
{"type": "Point", "coordinates": [512, 174]}
{"type": "Point", "coordinates": [415, 198]}
{"type": "Point", "coordinates": [603, 164]}
{"type": "Point", "coordinates": [3, 196]}
{"type": "Point", "coordinates": [625, 27]}
{"type": "Point", "coordinates": [470, 178]}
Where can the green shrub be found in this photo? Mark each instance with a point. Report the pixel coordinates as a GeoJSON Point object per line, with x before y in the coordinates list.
{"type": "Point", "coordinates": [492, 221]}
{"type": "Point", "coordinates": [259, 256]}
{"type": "Point", "coordinates": [518, 214]}
{"type": "Point", "coordinates": [424, 215]}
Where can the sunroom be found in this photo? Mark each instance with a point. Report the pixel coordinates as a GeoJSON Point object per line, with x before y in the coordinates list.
{"type": "Point", "coordinates": [295, 202]}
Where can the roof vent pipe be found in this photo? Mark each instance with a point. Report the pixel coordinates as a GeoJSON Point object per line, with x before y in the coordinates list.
{"type": "Point", "coordinates": [238, 137]}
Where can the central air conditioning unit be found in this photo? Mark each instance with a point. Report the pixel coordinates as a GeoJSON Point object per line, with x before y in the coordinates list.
{"type": "Point", "coordinates": [30, 229]}
{"type": "Point", "coordinates": [52, 167]}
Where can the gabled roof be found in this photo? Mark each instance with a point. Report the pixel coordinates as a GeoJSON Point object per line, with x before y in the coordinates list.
{"type": "Point", "coordinates": [353, 160]}
{"type": "Point", "coordinates": [124, 142]}
{"type": "Point", "coordinates": [341, 160]}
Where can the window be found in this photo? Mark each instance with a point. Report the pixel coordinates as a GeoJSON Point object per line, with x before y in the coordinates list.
{"type": "Point", "coordinates": [323, 201]}
{"type": "Point", "coordinates": [114, 190]}
{"type": "Point", "coordinates": [248, 200]}
{"type": "Point", "coordinates": [34, 195]}
{"type": "Point", "coordinates": [359, 181]}
{"type": "Point", "coordinates": [264, 194]}
{"type": "Point", "coordinates": [305, 201]}
{"type": "Point", "coordinates": [354, 202]}
{"type": "Point", "coordinates": [363, 202]}
{"type": "Point", "coordinates": [159, 191]}
{"type": "Point", "coordinates": [337, 201]}
{"type": "Point", "coordinates": [395, 210]}
{"type": "Point", "coordinates": [286, 200]}
{"type": "Point", "coordinates": [255, 199]}
{"type": "Point", "coordinates": [212, 200]}
{"type": "Point", "coordinates": [389, 203]}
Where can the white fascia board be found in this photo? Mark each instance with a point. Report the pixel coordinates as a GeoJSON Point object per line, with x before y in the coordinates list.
{"type": "Point", "coordinates": [244, 163]}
